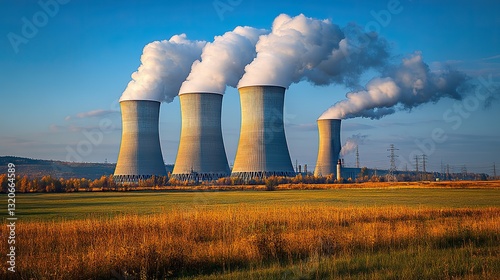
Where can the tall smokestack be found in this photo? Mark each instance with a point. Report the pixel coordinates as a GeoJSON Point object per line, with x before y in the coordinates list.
{"type": "Point", "coordinates": [329, 146]}
{"type": "Point", "coordinates": [339, 170]}
{"type": "Point", "coordinates": [262, 148]}
{"type": "Point", "coordinates": [201, 155]}
{"type": "Point", "coordinates": [140, 154]}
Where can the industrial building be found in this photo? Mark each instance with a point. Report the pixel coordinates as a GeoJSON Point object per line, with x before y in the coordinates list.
{"type": "Point", "coordinates": [353, 172]}
{"type": "Point", "coordinates": [329, 147]}
{"type": "Point", "coordinates": [140, 154]}
{"type": "Point", "coordinates": [201, 155]}
{"type": "Point", "coordinates": [262, 148]}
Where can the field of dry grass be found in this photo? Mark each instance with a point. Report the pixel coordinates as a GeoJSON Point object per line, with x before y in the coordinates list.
{"type": "Point", "coordinates": [248, 241]}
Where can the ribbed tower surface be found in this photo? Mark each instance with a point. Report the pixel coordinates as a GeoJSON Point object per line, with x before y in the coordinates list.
{"type": "Point", "coordinates": [140, 154]}
{"type": "Point", "coordinates": [262, 148]}
{"type": "Point", "coordinates": [329, 147]}
{"type": "Point", "coordinates": [201, 155]}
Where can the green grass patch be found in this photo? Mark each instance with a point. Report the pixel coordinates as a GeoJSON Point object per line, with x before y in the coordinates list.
{"type": "Point", "coordinates": [47, 206]}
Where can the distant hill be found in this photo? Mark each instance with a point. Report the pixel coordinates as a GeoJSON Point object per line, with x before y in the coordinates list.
{"type": "Point", "coordinates": [37, 168]}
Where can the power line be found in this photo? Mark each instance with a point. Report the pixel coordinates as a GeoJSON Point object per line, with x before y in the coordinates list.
{"type": "Point", "coordinates": [424, 160]}
{"type": "Point", "coordinates": [393, 157]}
{"type": "Point", "coordinates": [416, 163]}
{"type": "Point", "coordinates": [464, 171]}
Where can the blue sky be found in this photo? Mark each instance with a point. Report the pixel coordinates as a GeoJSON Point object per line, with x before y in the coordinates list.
{"type": "Point", "coordinates": [60, 84]}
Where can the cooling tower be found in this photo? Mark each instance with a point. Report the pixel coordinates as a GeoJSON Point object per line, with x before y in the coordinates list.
{"type": "Point", "coordinates": [329, 146]}
{"type": "Point", "coordinates": [201, 155]}
{"type": "Point", "coordinates": [140, 154]}
{"type": "Point", "coordinates": [262, 148]}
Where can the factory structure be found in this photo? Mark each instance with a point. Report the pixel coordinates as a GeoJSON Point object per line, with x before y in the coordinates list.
{"type": "Point", "coordinates": [262, 64]}
{"type": "Point", "coordinates": [329, 147]}
{"type": "Point", "coordinates": [201, 155]}
{"type": "Point", "coordinates": [262, 148]}
{"type": "Point", "coordinates": [140, 154]}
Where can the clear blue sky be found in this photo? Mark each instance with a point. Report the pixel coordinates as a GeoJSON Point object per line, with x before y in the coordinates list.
{"type": "Point", "coordinates": [65, 77]}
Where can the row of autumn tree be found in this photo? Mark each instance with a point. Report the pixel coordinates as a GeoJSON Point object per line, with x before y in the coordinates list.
{"type": "Point", "coordinates": [51, 184]}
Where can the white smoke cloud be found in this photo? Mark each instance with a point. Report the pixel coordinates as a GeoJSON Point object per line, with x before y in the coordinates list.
{"type": "Point", "coordinates": [298, 48]}
{"type": "Point", "coordinates": [348, 148]}
{"type": "Point", "coordinates": [357, 52]}
{"type": "Point", "coordinates": [223, 61]}
{"type": "Point", "coordinates": [352, 143]}
{"type": "Point", "coordinates": [405, 86]}
{"type": "Point", "coordinates": [164, 66]}
{"type": "Point", "coordinates": [294, 47]}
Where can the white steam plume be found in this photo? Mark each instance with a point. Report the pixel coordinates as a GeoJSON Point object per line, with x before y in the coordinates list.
{"type": "Point", "coordinates": [223, 61]}
{"type": "Point", "coordinates": [352, 143]}
{"type": "Point", "coordinates": [358, 51]}
{"type": "Point", "coordinates": [403, 87]}
{"type": "Point", "coordinates": [294, 47]}
{"type": "Point", "coordinates": [164, 66]}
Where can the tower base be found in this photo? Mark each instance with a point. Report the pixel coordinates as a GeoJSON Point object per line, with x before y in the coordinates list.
{"type": "Point", "coordinates": [246, 176]}
{"type": "Point", "coordinates": [198, 177]}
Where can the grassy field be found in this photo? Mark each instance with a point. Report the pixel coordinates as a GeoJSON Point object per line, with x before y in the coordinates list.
{"type": "Point", "coordinates": [376, 233]}
{"type": "Point", "coordinates": [79, 205]}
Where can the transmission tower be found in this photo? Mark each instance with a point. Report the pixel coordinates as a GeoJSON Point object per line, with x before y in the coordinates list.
{"type": "Point", "coordinates": [416, 163]}
{"type": "Point", "coordinates": [494, 171]}
{"type": "Point", "coordinates": [393, 157]}
{"type": "Point", "coordinates": [464, 171]}
{"type": "Point", "coordinates": [424, 160]}
{"type": "Point", "coordinates": [357, 157]}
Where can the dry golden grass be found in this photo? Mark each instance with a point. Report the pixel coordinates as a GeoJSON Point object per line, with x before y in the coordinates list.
{"type": "Point", "coordinates": [249, 240]}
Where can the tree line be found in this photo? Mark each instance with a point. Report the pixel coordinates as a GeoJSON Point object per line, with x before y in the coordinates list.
{"type": "Point", "coordinates": [48, 183]}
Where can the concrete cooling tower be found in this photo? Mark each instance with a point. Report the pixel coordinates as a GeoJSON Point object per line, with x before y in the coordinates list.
{"type": "Point", "coordinates": [262, 148]}
{"type": "Point", "coordinates": [140, 154]}
{"type": "Point", "coordinates": [201, 155]}
{"type": "Point", "coordinates": [329, 147]}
